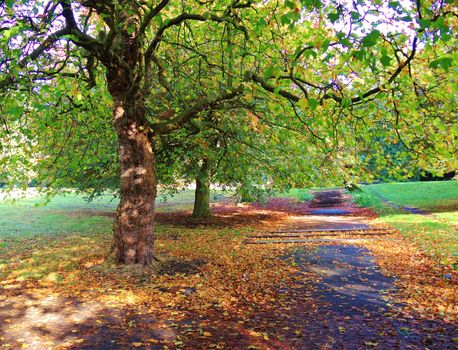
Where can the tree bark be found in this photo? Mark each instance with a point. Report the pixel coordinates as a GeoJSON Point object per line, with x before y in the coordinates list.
{"type": "Point", "coordinates": [133, 226]}
{"type": "Point", "coordinates": [202, 194]}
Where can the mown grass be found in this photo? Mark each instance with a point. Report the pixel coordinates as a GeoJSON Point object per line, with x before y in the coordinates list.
{"type": "Point", "coordinates": [301, 194]}
{"type": "Point", "coordinates": [436, 234]}
{"type": "Point", "coordinates": [427, 195]}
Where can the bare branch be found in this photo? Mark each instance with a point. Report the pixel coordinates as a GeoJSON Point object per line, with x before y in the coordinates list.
{"type": "Point", "coordinates": [271, 88]}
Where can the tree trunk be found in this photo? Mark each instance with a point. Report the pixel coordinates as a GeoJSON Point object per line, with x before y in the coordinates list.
{"type": "Point", "coordinates": [133, 226]}
{"type": "Point", "coordinates": [246, 194]}
{"type": "Point", "coordinates": [202, 194]}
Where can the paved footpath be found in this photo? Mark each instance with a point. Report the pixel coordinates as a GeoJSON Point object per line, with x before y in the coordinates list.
{"type": "Point", "coordinates": [354, 312]}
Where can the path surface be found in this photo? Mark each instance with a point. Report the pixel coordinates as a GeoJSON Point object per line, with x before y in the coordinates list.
{"type": "Point", "coordinates": [354, 311]}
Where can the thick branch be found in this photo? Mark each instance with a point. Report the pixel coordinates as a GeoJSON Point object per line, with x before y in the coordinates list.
{"type": "Point", "coordinates": [185, 116]}
{"type": "Point", "coordinates": [271, 88]}
{"type": "Point", "coordinates": [82, 39]}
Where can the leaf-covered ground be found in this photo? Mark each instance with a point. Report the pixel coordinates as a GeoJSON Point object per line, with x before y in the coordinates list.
{"type": "Point", "coordinates": [59, 290]}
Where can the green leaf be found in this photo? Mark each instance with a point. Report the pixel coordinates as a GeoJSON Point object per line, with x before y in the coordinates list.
{"type": "Point", "coordinates": [287, 18]}
{"type": "Point", "coordinates": [385, 60]}
{"type": "Point", "coordinates": [346, 101]}
{"type": "Point", "coordinates": [14, 110]}
{"type": "Point", "coordinates": [290, 4]}
{"type": "Point", "coordinates": [371, 38]}
{"type": "Point", "coordinates": [424, 23]}
{"type": "Point", "coordinates": [312, 3]}
{"type": "Point", "coordinates": [325, 45]}
{"type": "Point", "coordinates": [333, 17]}
{"type": "Point", "coordinates": [345, 42]}
{"type": "Point", "coordinates": [355, 15]}
{"type": "Point", "coordinates": [394, 4]}
{"type": "Point", "coordinates": [406, 19]}
{"type": "Point", "coordinates": [313, 103]}
{"type": "Point", "coordinates": [360, 54]}
{"type": "Point", "coordinates": [445, 63]}
{"type": "Point", "coordinates": [303, 103]}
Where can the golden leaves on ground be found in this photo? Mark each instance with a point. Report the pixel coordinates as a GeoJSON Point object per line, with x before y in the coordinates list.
{"type": "Point", "coordinates": [424, 285]}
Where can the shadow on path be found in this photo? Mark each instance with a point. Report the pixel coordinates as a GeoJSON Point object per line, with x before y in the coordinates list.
{"type": "Point", "coordinates": [354, 312]}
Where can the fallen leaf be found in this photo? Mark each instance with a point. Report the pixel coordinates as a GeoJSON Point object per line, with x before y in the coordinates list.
{"type": "Point", "coordinates": [370, 344]}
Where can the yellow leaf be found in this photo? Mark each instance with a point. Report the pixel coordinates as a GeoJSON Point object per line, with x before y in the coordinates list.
{"type": "Point", "coordinates": [137, 344]}
{"type": "Point", "coordinates": [303, 103]}
{"type": "Point", "coordinates": [207, 334]}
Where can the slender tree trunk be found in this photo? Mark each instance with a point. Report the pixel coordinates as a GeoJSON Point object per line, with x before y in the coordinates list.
{"type": "Point", "coordinates": [133, 226]}
{"type": "Point", "coordinates": [202, 194]}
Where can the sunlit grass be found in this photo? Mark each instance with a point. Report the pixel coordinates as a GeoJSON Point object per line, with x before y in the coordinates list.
{"type": "Point", "coordinates": [436, 234]}
{"type": "Point", "coordinates": [301, 194]}
{"type": "Point", "coordinates": [428, 195]}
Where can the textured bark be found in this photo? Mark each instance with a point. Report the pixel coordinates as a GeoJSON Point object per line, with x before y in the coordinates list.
{"type": "Point", "coordinates": [202, 194]}
{"type": "Point", "coordinates": [133, 225]}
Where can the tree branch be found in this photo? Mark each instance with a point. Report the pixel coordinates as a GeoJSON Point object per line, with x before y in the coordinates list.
{"type": "Point", "coordinates": [182, 18]}
{"type": "Point", "coordinates": [82, 39]}
{"type": "Point", "coordinates": [271, 88]}
{"type": "Point", "coordinates": [149, 17]}
{"type": "Point", "coordinates": [185, 116]}
{"type": "Point", "coordinates": [292, 97]}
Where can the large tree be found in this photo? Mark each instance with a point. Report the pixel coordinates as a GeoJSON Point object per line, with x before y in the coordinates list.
{"type": "Point", "coordinates": [46, 39]}
{"type": "Point", "coordinates": [336, 67]}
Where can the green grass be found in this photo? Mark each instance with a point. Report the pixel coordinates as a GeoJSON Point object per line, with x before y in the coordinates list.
{"type": "Point", "coordinates": [301, 194]}
{"type": "Point", "coordinates": [29, 217]}
{"type": "Point", "coordinates": [51, 237]}
{"type": "Point", "coordinates": [72, 213]}
{"type": "Point", "coordinates": [425, 195]}
{"type": "Point", "coordinates": [436, 234]}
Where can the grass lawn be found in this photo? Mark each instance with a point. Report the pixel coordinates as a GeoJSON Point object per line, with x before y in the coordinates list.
{"type": "Point", "coordinates": [301, 194]}
{"type": "Point", "coordinates": [436, 234]}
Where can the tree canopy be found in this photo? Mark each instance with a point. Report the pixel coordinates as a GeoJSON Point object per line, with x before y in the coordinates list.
{"type": "Point", "coordinates": [82, 80]}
